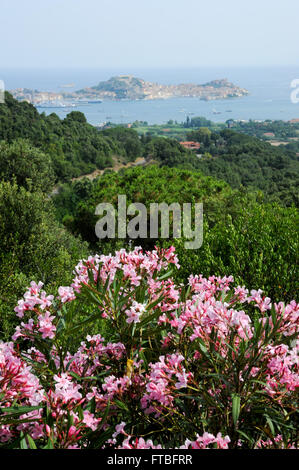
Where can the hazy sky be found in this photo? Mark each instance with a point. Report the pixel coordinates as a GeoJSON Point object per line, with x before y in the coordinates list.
{"type": "Point", "coordinates": [105, 33]}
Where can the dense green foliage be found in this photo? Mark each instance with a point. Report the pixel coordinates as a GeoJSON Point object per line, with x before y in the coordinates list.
{"type": "Point", "coordinates": [255, 242]}
{"type": "Point", "coordinates": [236, 158]}
{"type": "Point", "coordinates": [274, 131]}
{"type": "Point", "coordinates": [75, 146]}
{"type": "Point", "coordinates": [33, 245]}
{"type": "Point", "coordinates": [30, 167]}
{"type": "Point", "coordinates": [127, 140]}
{"type": "Point", "coordinates": [199, 121]}
{"type": "Point", "coordinates": [241, 156]}
{"type": "Point", "coordinates": [282, 130]}
{"type": "Point", "coordinates": [76, 202]}
{"type": "Point", "coordinates": [243, 160]}
{"type": "Point", "coordinates": [169, 152]}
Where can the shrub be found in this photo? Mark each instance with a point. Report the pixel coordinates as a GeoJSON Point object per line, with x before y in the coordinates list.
{"type": "Point", "coordinates": [33, 245]}
{"type": "Point", "coordinates": [197, 366]}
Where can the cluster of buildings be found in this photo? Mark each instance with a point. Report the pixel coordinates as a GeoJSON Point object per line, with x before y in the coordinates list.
{"type": "Point", "coordinates": [191, 145]}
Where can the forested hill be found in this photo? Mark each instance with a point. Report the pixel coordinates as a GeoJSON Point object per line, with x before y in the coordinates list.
{"type": "Point", "coordinates": [71, 147]}
{"type": "Point", "coordinates": [75, 146]}
{"type": "Point", "coordinates": [240, 159]}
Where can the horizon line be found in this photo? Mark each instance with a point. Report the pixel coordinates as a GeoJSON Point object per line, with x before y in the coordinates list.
{"type": "Point", "coordinates": [47, 67]}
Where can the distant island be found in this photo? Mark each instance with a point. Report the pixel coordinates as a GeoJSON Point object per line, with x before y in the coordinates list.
{"type": "Point", "coordinates": [128, 87]}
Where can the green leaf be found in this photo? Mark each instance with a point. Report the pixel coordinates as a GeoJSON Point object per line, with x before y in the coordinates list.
{"type": "Point", "coordinates": [156, 302]}
{"type": "Point", "coordinates": [245, 435]}
{"type": "Point", "coordinates": [49, 445]}
{"type": "Point", "coordinates": [60, 326]}
{"type": "Point", "coordinates": [148, 319]}
{"type": "Point", "coordinates": [164, 276]}
{"type": "Point", "coordinates": [121, 405]}
{"type": "Point", "coordinates": [70, 420]}
{"type": "Point", "coordinates": [91, 405]}
{"type": "Point", "coordinates": [236, 407]}
{"type": "Point", "coordinates": [105, 415]}
{"type": "Point", "coordinates": [270, 424]}
{"type": "Point", "coordinates": [17, 410]}
{"type": "Point", "coordinates": [31, 442]}
{"type": "Point", "coordinates": [23, 443]}
{"type": "Point", "coordinates": [77, 377]}
{"type": "Point", "coordinates": [84, 322]}
{"type": "Point", "coordinates": [202, 346]}
{"type": "Point", "coordinates": [80, 413]}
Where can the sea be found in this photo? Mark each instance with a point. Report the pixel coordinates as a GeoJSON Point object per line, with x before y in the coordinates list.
{"type": "Point", "coordinates": [269, 93]}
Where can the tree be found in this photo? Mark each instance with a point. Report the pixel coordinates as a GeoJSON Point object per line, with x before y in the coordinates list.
{"type": "Point", "coordinates": [29, 166]}
{"type": "Point", "coordinates": [32, 245]}
{"type": "Point", "coordinates": [76, 116]}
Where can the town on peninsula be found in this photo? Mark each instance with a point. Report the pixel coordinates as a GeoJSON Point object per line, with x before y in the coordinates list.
{"type": "Point", "coordinates": [128, 87]}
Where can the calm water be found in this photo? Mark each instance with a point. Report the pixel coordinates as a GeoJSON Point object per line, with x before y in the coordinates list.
{"type": "Point", "coordinates": [269, 93]}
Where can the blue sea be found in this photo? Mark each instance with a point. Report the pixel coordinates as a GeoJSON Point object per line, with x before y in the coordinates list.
{"type": "Point", "coordinates": [269, 88]}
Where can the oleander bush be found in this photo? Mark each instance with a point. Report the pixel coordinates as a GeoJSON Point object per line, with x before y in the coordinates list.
{"type": "Point", "coordinates": [125, 358]}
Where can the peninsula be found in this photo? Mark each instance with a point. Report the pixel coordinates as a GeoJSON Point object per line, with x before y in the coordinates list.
{"type": "Point", "coordinates": [128, 87]}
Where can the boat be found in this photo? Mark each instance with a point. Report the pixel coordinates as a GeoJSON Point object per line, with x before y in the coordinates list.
{"type": "Point", "coordinates": [55, 104]}
{"type": "Point", "coordinates": [50, 105]}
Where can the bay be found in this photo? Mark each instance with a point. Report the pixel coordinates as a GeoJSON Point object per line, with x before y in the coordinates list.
{"type": "Point", "coordinates": [269, 87]}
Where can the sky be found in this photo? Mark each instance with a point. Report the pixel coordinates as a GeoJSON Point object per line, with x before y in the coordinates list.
{"type": "Point", "coordinates": [148, 33]}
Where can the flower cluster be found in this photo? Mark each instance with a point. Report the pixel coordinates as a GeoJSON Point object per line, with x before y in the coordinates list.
{"type": "Point", "coordinates": [165, 376]}
{"type": "Point", "coordinates": [206, 440]}
{"type": "Point", "coordinates": [36, 301]}
{"type": "Point", "coordinates": [213, 368]}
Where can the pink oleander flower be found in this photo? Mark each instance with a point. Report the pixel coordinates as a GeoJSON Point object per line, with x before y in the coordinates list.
{"type": "Point", "coordinates": [182, 379]}
{"type": "Point", "coordinates": [206, 440]}
{"type": "Point", "coordinates": [66, 294]}
{"type": "Point", "coordinates": [90, 421]}
{"type": "Point", "coordinates": [119, 429]}
{"type": "Point", "coordinates": [139, 443]}
{"type": "Point", "coordinates": [22, 331]}
{"type": "Point", "coordinates": [114, 386]}
{"type": "Point", "coordinates": [45, 325]}
{"type": "Point", "coordinates": [5, 433]}
{"type": "Point", "coordinates": [17, 381]}
{"type": "Point", "coordinates": [134, 312]}
{"type": "Point", "coordinates": [65, 389]}
{"type": "Point", "coordinates": [45, 300]}
{"type": "Point", "coordinates": [33, 298]}
{"type": "Point", "coordinates": [241, 294]}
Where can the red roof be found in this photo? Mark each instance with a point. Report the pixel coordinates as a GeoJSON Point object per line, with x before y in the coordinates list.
{"type": "Point", "coordinates": [191, 144]}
